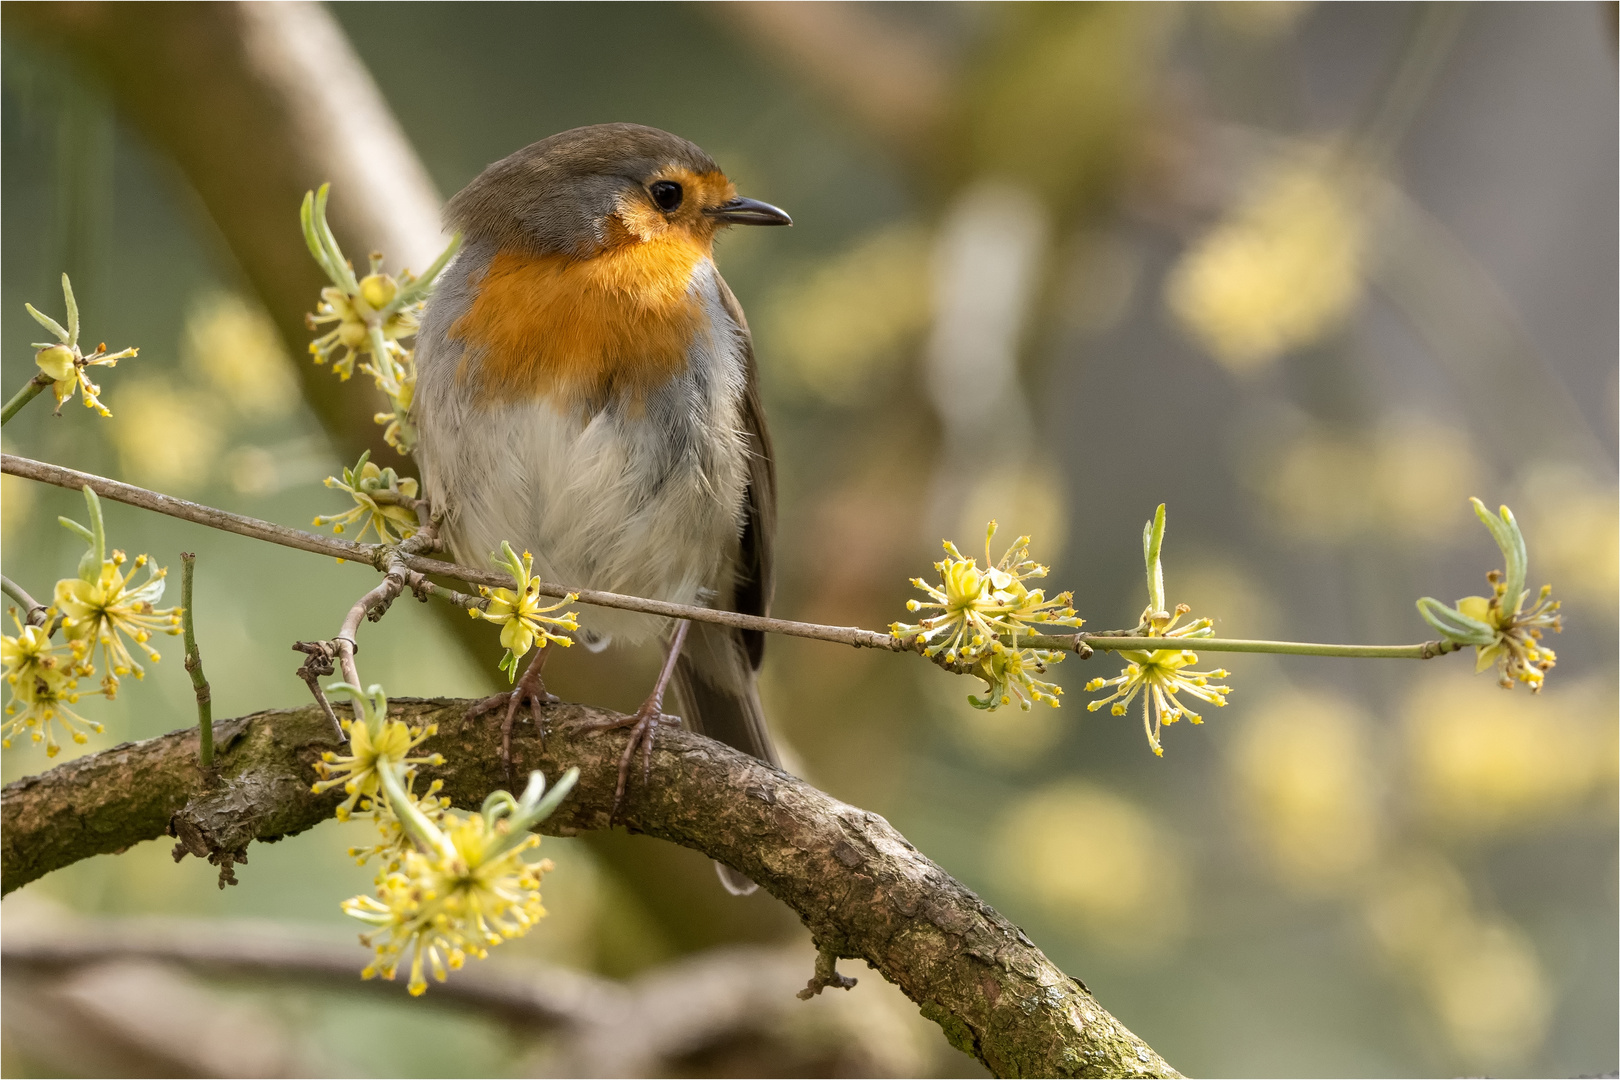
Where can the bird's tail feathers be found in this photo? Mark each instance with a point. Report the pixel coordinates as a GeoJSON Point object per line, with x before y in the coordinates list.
{"type": "Point", "coordinates": [720, 698]}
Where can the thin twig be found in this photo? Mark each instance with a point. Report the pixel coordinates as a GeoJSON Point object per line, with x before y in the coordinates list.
{"type": "Point", "coordinates": [199, 682]}
{"type": "Point", "coordinates": [376, 555]}
{"type": "Point", "coordinates": [380, 556]}
{"type": "Point", "coordinates": [1086, 643]}
{"type": "Point", "coordinates": [33, 610]}
{"type": "Point", "coordinates": [316, 666]}
{"type": "Point", "coordinates": [29, 392]}
{"type": "Point", "coordinates": [375, 603]}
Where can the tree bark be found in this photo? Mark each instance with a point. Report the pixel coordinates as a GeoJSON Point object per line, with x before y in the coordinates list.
{"type": "Point", "coordinates": [860, 887]}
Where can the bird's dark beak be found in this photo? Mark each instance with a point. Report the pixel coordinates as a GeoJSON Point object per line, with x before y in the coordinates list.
{"type": "Point", "coordinates": [740, 211]}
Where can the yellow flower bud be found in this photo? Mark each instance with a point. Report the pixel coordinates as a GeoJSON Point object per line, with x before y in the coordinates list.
{"type": "Point", "coordinates": [378, 290]}
{"type": "Point", "coordinates": [55, 361]}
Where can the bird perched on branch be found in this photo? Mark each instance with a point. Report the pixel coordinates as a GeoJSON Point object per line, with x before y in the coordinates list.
{"type": "Point", "coordinates": [587, 391]}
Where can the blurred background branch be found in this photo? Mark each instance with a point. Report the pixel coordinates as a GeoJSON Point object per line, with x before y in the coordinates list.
{"type": "Point", "coordinates": [132, 988]}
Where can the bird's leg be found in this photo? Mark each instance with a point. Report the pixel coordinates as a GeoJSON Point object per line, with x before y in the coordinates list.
{"type": "Point", "coordinates": [531, 690]}
{"type": "Point", "coordinates": [643, 723]}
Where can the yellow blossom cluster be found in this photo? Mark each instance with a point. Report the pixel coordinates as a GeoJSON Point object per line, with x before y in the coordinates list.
{"type": "Point", "coordinates": [64, 363]}
{"type": "Point", "coordinates": [368, 317]}
{"type": "Point", "coordinates": [1505, 628]}
{"type": "Point", "coordinates": [1161, 675]}
{"type": "Point", "coordinates": [95, 612]}
{"type": "Point", "coordinates": [42, 679]}
{"type": "Point", "coordinates": [448, 887]}
{"type": "Point", "coordinates": [384, 502]}
{"type": "Point", "coordinates": [978, 617]}
{"type": "Point", "coordinates": [522, 617]}
{"type": "Point", "coordinates": [374, 740]}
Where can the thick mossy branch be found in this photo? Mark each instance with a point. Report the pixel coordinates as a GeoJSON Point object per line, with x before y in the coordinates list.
{"type": "Point", "coordinates": [864, 892]}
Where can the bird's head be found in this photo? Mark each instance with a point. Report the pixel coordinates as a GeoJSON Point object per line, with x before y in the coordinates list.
{"type": "Point", "coordinates": [591, 189]}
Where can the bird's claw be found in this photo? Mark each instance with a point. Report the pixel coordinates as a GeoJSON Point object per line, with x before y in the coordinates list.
{"type": "Point", "coordinates": [531, 691]}
{"type": "Point", "coordinates": [643, 725]}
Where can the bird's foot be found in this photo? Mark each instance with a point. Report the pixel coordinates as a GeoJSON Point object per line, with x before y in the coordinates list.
{"type": "Point", "coordinates": [529, 690]}
{"type": "Point", "coordinates": [643, 725]}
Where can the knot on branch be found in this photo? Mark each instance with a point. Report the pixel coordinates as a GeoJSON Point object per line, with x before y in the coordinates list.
{"type": "Point", "coordinates": [826, 975]}
{"type": "Point", "coordinates": [194, 842]}
{"type": "Point", "coordinates": [218, 824]}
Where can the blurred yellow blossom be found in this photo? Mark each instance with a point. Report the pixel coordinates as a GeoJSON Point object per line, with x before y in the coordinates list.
{"type": "Point", "coordinates": [1477, 972]}
{"type": "Point", "coordinates": [16, 502]}
{"type": "Point", "coordinates": [236, 347]}
{"type": "Point", "coordinates": [846, 323]}
{"type": "Point", "coordinates": [1096, 861]}
{"type": "Point", "coordinates": [1307, 789]}
{"type": "Point", "coordinates": [1337, 486]}
{"type": "Point", "coordinates": [1282, 271]}
{"type": "Point", "coordinates": [1259, 19]}
{"type": "Point", "coordinates": [165, 437]}
{"type": "Point", "coordinates": [1485, 762]}
{"type": "Point", "coordinates": [1576, 520]}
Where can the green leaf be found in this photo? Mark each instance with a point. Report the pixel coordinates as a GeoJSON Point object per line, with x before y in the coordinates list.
{"type": "Point", "coordinates": [1152, 543]}
{"type": "Point", "coordinates": [72, 311]}
{"type": "Point", "coordinates": [337, 265]}
{"type": "Point", "coordinates": [1453, 625]}
{"type": "Point", "coordinates": [49, 323]}
{"type": "Point", "coordinates": [1505, 531]}
{"type": "Point", "coordinates": [78, 530]}
{"type": "Point", "coordinates": [317, 236]}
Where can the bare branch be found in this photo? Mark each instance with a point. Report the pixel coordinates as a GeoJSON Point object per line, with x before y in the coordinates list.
{"type": "Point", "coordinates": [33, 611]}
{"type": "Point", "coordinates": [862, 889]}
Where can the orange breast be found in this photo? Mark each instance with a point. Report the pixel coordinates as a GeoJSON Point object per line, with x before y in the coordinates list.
{"type": "Point", "coordinates": [577, 332]}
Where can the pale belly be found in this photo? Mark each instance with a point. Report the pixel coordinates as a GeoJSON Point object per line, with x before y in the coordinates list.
{"type": "Point", "coordinates": [644, 500]}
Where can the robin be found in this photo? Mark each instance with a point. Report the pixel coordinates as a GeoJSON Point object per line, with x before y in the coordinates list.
{"type": "Point", "coordinates": [587, 390]}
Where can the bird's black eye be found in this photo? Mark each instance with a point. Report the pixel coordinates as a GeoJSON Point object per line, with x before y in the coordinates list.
{"type": "Point", "coordinates": [666, 194]}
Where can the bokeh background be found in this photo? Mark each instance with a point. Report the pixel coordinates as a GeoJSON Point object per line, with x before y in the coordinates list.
{"type": "Point", "coordinates": [1312, 274]}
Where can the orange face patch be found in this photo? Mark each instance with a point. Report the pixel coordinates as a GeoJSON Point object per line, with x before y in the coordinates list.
{"type": "Point", "coordinates": [580, 331]}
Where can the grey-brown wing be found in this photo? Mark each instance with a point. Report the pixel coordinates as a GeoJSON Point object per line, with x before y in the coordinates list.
{"type": "Point", "coordinates": [756, 569]}
{"type": "Point", "coordinates": [715, 673]}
